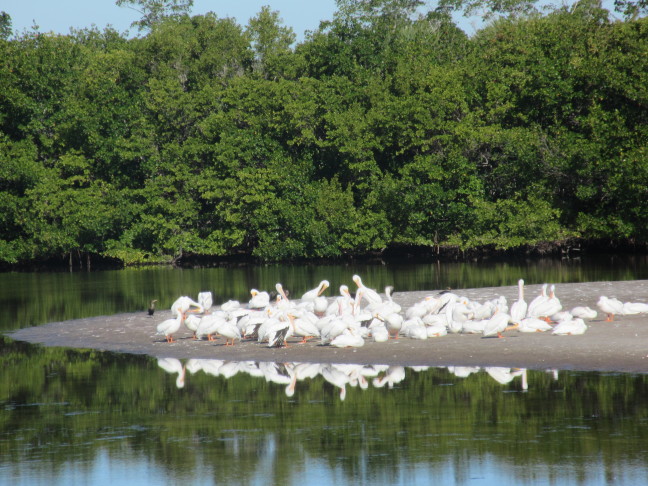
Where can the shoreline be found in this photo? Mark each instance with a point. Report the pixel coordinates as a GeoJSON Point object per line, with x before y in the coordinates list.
{"type": "Point", "coordinates": [620, 346]}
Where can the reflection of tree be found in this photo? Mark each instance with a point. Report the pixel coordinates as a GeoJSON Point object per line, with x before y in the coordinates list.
{"type": "Point", "coordinates": [65, 407]}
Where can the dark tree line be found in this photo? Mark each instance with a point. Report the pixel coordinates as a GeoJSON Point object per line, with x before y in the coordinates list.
{"type": "Point", "coordinates": [387, 127]}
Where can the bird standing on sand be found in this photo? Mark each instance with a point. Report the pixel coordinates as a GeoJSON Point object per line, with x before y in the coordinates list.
{"type": "Point", "coordinates": [151, 309]}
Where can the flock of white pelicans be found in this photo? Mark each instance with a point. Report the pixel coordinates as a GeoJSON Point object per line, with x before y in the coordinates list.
{"type": "Point", "coordinates": [349, 320]}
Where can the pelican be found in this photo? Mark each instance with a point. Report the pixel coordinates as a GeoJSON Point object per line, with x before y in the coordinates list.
{"type": "Point", "coordinates": [279, 333]}
{"type": "Point", "coordinates": [259, 300]}
{"type": "Point", "coordinates": [192, 322]}
{"type": "Point", "coordinates": [316, 292]}
{"type": "Point", "coordinates": [208, 326]}
{"type": "Point", "coordinates": [348, 339]}
{"type": "Point", "coordinates": [206, 300]}
{"type": "Point", "coordinates": [519, 307]}
{"type": "Point", "coordinates": [571, 327]}
{"type": "Point", "coordinates": [170, 327]}
{"type": "Point", "coordinates": [498, 324]}
{"type": "Point", "coordinates": [369, 294]}
{"type": "Point", "coordinates": [547, 307]}
{"type": "Point", "coordinates": [540, 298]}
{"type": "Point", "coordinates": [610, 307]}
{"type": "Point", "coordinates": [533, 324]}
{"type": "Point", "coordinates": [185, 304]}
{"type": "Point", "coordinates": [229, 330]}
{"type": "Point", "coordinates": [584, 312]}
{"type": "Point", "coordinates": [631, 308]}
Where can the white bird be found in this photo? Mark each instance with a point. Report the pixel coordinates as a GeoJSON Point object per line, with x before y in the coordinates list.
{"type": "Point", "coordinates": [229, 330]}
{"type": "Point", "coordinates": [259, 300]}
{"type": "Point", "coordinates": [370, 295]}
{"type": "Point", "coordinates": [533, 324]}
{"type": "Point", "coordinates": [279, 333]}
{"type": "Point", "coordinates": [540, 298]}
{"type": "Point", "coordinates": [519, 307]}
{"type": "Point", "coordinates": [572, 327]}
{"type": "Point", "coordinates": [631, 308]}
{"type": "Point", "coordinates": [208, 325]}
{"type": "Point", "coordinates": [348, 339]}
{"type": "Point", "coordinates": [185, 304]}
{"type": "Point", "coordinates": [498, 324]}
{"type": "Point", "coordinates": [316, 292]}
{"type": "Point", "coordinates": [584, 312]}
{"type": "Point", "coordinates": [206, 300]}
{"type": "Point", "coordinates": [192, 321]}
{"type": "Point", "coordinates": [547, 307]}
{"type": "Point", "coordinates": [610, 307]}
{"type": "Point", "coordinates": [170, 326]}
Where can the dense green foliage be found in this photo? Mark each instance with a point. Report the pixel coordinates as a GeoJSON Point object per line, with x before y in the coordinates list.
{"type": "Point", "coordinates": [385, 127]}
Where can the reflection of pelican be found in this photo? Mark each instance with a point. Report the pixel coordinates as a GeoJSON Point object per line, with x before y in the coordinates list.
{"type": "Point", "coordinates": [173, 365]}
{"type": "Point", "coordinates": [393, 375]}
{"type": "Point", "coordinates": [170, 327]}
{"type": "Point", "coordinates": [336, 378]}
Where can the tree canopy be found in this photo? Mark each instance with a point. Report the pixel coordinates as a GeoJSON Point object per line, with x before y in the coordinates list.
{"type": "Point", "coordinates": [388, 127]}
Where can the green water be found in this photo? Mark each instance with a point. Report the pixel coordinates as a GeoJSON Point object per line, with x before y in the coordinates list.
{"type": "Point", "coordinates": [87, 417]}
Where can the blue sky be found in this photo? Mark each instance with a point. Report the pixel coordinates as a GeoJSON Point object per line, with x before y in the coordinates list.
{"type": "Point", "coordinates": [59, 15]}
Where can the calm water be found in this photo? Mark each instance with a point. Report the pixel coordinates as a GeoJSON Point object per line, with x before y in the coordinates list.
{"type": "Point", "coordinates": [86, 417]}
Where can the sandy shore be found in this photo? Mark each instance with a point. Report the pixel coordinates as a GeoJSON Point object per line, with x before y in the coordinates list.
{"type": "Point", "coordinates": [618, 346]}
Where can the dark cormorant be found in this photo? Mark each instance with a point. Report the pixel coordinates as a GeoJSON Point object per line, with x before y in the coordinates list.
{"type": "Point", "coordinates": [151, 309]}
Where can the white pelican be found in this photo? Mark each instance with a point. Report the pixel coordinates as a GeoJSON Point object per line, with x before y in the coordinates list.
{"type": "Point", "coordinates": [369, 294]}
{"type": "Point", "coordinates": [533, 324]}
{"type": "Point", "coordinates": [305, 328]}
{"type": "Point", "coordinates": [498, 324]}
{"type": "Point", "coordinates": [540, 298]}
{"type": "Point", "coordinates": [206, 300]}
{"type": "Point", "coordinates": [259, 300]}
{"type": "Point", "coordinates": [279, 333]}
{"type": "Point", "coordinates": [631, 308]}
{"type": "Point", "coordinates": [393, 323]}
{"type": "Point", "coordinates": [192, 322]}
{"type": "Point", "coordinates": [547, 307]}
{"type": "Point", "coordinates": [519, 307]}
{"type": "Point", "coordinates": [208, 325]}
{"type": "Point", "coordinates": [317, 291]}
{"type": "Point", "coordinates": [185, 304]}
{"type": "Point", "coordinates": [348, 339]}
{"type": "Point", "coordinates": [584, 312]}
{"type": "Point", "coordinates": [610, 307]}
{"type": "Point", "coordinates": [170, 327]}
{"type": "Point", "coordinates": [571, 327]}
{"type": "Point", "coordinates": [229, 330]}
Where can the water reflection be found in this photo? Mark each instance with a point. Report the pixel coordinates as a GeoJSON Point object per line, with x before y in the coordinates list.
{"type": "Point", "coordinates": [339, 375]}
{"type": "Point", "coordinates": [78, 417]}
